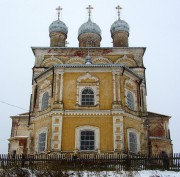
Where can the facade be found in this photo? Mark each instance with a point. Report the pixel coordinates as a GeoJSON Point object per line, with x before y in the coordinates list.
{"type": "Point", "coordinates": [89, 99]}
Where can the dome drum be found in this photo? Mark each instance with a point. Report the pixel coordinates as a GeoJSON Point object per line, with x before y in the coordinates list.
{"type": "Point", "coordinates": [57, 39]}
{"type": "Point", "coordinates": [89, 32]}
{"type": "Point", "coordinates": [58, 33]}
{"type": "Point", "coordinates": [120, 39]}
{"type": "Point", "coordinates": [89, 40]}
{"type": "Point", "coordinates": [120, 33]}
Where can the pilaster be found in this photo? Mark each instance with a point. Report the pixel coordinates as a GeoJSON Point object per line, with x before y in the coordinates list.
{"type": "Point", "coordinates": [116, 90]}
{"type": "Point", "coordinates": [56, 133]}
{"type": "Point", "coordinates": [118, 133]}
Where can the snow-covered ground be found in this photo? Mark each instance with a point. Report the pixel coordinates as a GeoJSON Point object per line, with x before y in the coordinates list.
{"type": "Point", "coordinates": [147, 173]}
{"type": "Point", "coordinates": [132, 174]}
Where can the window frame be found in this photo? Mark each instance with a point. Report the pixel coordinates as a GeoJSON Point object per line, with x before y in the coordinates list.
{"type": "Point", "coordinates": [96, 137]}
{"type": "Point", "coordinates": [84, 81]}
{"type": "Point", "coordinates": [43, 130]}
{"type": "Point", "coordinates": [87, 147]}
{"type": "Point", "coordinates": [135, 132]}
{"type": "Point", "coordinates": [41, 143]}
{"type": "Point", "coordinates": [86, 98]}
{"type": "Point", "coordinates": [43, 105]}
{"type": "Point", "coordinates": [130, 100]}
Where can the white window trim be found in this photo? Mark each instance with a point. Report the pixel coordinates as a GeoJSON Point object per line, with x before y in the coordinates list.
{"type": "Point", "coordinates": [59, 133]}
{"type": "Point", "coordinates": [42, 130]}
{"type": "Point", "coordinates": [135, 99]}
{"type": "Point", "coordinates": [129, 130]}
{"type": "Point", "coordinates": [40, 99]}
{"type": "Point", "coordinates": [81, 85]}
{"type": "Point", "coordinates": [96, 135]}
{"type": "Point", "coordinates": [93, 88]}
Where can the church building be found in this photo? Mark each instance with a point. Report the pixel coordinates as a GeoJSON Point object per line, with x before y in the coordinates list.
{"type": "Point", "coordinates": [89, 99]}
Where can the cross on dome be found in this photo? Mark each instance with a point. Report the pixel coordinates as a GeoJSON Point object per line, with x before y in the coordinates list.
{"type": "Point", "coordinates": [118, 10]}
{"type": "Point", "coordinates": [59, 10]}
{"type": "Point", "coordinates": [89, 8]}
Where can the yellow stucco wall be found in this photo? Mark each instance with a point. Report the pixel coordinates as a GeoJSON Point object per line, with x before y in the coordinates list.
{"type": "Point", "coordinates": [105, 89]}
{"type": "Point", "coordinates": [44, 123]}
{"type": "Point", "coordinates": [103, 123]}
{"type": "Point", "coordinates": [130, 123]}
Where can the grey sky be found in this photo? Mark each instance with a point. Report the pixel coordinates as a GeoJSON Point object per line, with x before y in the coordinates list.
{"type": "Point", "coordinates": [153, 24]}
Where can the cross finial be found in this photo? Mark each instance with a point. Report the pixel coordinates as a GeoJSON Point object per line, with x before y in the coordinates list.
{"type": "Point", "coordinates": [58, 10]}
{"type": "Point", "coordinates": [118, 10]}
{"type": "Point", "coordinates": [89, 8]}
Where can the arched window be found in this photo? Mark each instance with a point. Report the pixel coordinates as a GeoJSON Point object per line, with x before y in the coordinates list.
{"type": "Point", "coordinates": [87, 97]}
{"type": "Point", "coordinates": [133, 146]}
{"type": "Point", "coordinates": [87, 140]}
{"type": "Point", "coordinates": [130, 100]}
{"type": "Point", "coordinates": [41, 142]}
{"type": "Point", "coordinates": [45, 101]}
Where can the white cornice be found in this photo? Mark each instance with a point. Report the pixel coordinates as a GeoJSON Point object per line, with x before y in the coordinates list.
{"type": "Point", "coordinates": [88, 112]}
{"type": "Point", "coordinates": [132, 116]}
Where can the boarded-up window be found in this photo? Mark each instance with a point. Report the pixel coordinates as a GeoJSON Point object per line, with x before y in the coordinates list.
{"type": "Point", "coordinates": [45, 101]}
{"type": "Point", "coordinates": [130, 100]}
{"type": "Point", "coordinates": [133, 142]}
{"type": "Point", "coordinates": [41, 142]}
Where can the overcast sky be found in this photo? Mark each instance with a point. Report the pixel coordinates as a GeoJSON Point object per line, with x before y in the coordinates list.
{"type": "Point", "coordinates": [153, 24]}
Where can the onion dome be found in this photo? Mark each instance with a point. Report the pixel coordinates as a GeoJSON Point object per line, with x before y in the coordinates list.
{"type": "Point", "coordinates": [89, 33]}
{"type": "Point", "coordinates": [58, 32]}
{"type": "Point", "coordinates": [89, 27]}
{"type": "Point", "coordinates": [58, 26]}
{"type": "Point", "coordinates": [119, 25]}
{"type": "Point", "coordinates": [120, 31]}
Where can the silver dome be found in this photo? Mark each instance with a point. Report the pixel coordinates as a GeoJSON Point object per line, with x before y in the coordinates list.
{"type": "Point", "coordinates": [119, 25]}
{"type": "Point", "coordinates": [58, 26]}
{"type": "Point", "coordinates": [89, 27]}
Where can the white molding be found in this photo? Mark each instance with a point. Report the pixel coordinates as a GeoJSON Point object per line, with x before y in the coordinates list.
{"type": "Point", "coordinates": [59, 133]}
{"type": "Point", "coordinates": [133, 91]}
{"type": "Point", "coordinates": [39, 131]}
{"type": "Point", "coordinates": [92, 85]}
{"type": "Point", "coordinates": [87, 76]}
{"type": "Point", "coordinates": [102, 60]}
{"type": "Point", "coordinates": [87, 127]}
{"type": "Point", "coordinates": [61, 86]}
{"type": "Point", "coordinates": [45, 84]}
{"type": "Point", "coordinates": [76, 60]}
{"type": "Point", "coordinates": [127, 61]}
{"type": "Point", "coordinates": [44, 76]}
{"type": "Point", "coordinates": [41, 95]}
{"type": "Point", "coordinates": [57, 87]}
{"type": "Point", "coordinates": [114, 87]}
{"type": "Point", "coordinates": [84, 113]}
{"type": "Point", "coordinates": [132, 116]}
{"type": "Point", "coordinates": [79, 96]}
{"type": "Point", "coordinates": [120, 141]}
{"type": "Point", "coordinates": [144, 96]}
{"type": "Point", "coordinates": [53, 60]}
{"type": "Point", "coordinates": [119, 87]}
{"type": "Point", "coordinates": [134, 97]}
{"type": "Point", "coordinates": [87, 112]}
{"type": "Point", "coordinates": [138, 138]}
